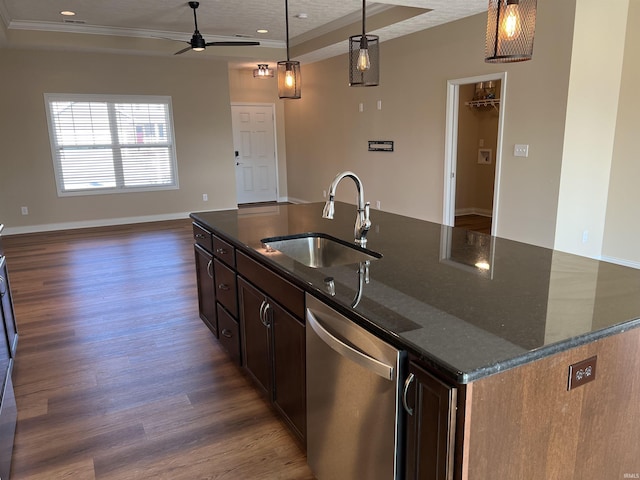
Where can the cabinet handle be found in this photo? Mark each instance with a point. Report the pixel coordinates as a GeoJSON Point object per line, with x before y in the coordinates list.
{"type": "Point", "coordinates": [3, 290]}
{"type": "Point", "coordinates": [198, 236]}
{"type": "Point", "coordinates": [221, 251]}
{"type": "Point", "coordinates": [264, 307]}
{"type": "Point", "coordinates": [223, 286]}
{"type": "Point", "coordinates": [226, 333]}
{"type": "Point", "coordinates": [209, 269]}
{"type": "Point", "coordinates": [405, 391]}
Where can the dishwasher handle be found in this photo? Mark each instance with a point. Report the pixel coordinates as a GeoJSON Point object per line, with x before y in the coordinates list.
{"type": "Point", "coordinates": [356, 356]}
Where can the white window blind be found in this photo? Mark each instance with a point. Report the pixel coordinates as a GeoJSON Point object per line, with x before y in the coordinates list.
{"type": "Point", "coordinates": [111, 144]}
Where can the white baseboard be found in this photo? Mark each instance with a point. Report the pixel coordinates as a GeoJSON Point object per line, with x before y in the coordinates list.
{"type": "Point", "coordinates": [621, 261]}
{"type": "Point", "coordinates": [474, 211]}
{"type": "Point", "coordinates": [107, 222]}
{"type": "Point", "coordinates": [297, 200]}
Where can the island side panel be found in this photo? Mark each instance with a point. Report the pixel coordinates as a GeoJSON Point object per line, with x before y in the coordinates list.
{"type": "Point", "coordinates": [525, 423]}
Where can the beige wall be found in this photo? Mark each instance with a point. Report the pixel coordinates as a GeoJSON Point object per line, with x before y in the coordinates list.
{"type": "Point", "coordinates": [622, 227]}
{"type": "Point", "coordinates": [201, 110]}
{"type": "Point", "coordinates": [326, 134]}
{"type": "Point", "coordinates": [243, 88]}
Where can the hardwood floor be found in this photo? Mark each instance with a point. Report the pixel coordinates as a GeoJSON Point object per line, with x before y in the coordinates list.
{"type": "Point", "coordinates": [476, 223]}
{"type": "Point", "coordinates": [116, 376]}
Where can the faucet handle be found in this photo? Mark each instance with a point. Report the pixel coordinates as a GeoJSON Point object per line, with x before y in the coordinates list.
{"type": "Point", "coordinates": [367, 221]}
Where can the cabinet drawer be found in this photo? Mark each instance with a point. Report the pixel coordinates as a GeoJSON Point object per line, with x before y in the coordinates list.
{"type": "Point", "coordinates": [224, 251]}
{"type": "Point", "coordinates": [226, 291]}
{"type": "Point", "coordinates": [229, 335]}
{"type": "Point", "coordinates": [202, 237]}
{"type": "Point", "coordinates": [285, 293]}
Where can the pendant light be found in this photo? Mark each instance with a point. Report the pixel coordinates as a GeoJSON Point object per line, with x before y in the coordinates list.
{"type": "Point", "coordinates": [263, 71]}
{"type": "Point", "coordinates": [511, 26]}
{"type": "Point", "coordinates": [288, 71]}
{"type": "Point", "coordinates": [364, 57]}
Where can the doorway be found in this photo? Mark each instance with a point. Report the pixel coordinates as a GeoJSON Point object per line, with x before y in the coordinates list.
{"type": "Point", "coordinates": [473, 149]}
{"type": "Point", "coordinates": [254, 144]}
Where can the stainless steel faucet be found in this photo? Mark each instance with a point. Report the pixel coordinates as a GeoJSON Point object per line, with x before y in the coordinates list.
{"type": "Point", "coordinates": [363, 224]}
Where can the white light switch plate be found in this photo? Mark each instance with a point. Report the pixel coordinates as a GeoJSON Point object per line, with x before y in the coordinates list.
{"type": "Point", "coordinates": [521, 150]}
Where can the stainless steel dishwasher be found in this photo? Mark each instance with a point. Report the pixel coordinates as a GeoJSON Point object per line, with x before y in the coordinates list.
{"type": "Point", "coordinates": [353, 399]}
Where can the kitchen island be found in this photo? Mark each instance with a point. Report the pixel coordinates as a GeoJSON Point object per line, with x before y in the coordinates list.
{"type": "Point", "coordinates": [505, 326]}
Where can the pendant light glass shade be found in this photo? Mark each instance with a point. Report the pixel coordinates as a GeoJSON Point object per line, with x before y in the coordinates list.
{"type": "Point", "coordinates": [511, 26]}
{"type": "Point", "coordinates": [364, 57]}
{"type": "Point", "coordinates": [288, 71]}
{"type": "Point", "coordinates": [364, 61]}
{"type": "Point", "coordinates": [263, 71]}
{"type": "Point", "coordinates": [289, 79]}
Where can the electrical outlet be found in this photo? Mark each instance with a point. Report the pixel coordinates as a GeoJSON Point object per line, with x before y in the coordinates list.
{"type": "Point", "coordinates": [24, 210]}
{"type": "Point", "coordinates": [324, 194]}
{"type": "Point", "coordinates": [582, 372]}
{"type": "Point", "coordinates": [205, 197]}
{"type": "Point", "coordinates": [378, 204]}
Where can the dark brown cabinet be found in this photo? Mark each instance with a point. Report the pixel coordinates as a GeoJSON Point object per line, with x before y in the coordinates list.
{"type": "Point", "coordinates": [10, 329]}
{"type": "Point", "coordinates": [8, 344]}
{"type": "Point", "coordinates": [273, 339]}
{"type": "Point", "coordinates": [217, 291]}
{"type": "Point", "coordinates": [206, 288]}
{"type": "Point", "coordinates": [430, 407]}
{"type": "Point", "coordinates": [258, 318]}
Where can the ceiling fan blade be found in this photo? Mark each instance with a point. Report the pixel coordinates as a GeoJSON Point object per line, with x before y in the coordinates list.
{"type": "Point", "coordinates": [183, 50]}
{"type": "Point", "coordinates": [232, 44]}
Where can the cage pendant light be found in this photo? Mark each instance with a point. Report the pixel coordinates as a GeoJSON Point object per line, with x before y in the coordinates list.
{"type": "Point", "coordinates": [364, 57]}
{"type": "Point", "coordinates": [288, 71]}
{"type": "Point", "coordinates": [511, 26]}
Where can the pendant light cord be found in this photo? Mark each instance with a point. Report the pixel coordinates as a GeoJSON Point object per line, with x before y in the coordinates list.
{"type": "Point", "coordinates": [364, 16]}
{"type": "Point", "coordinates": [286, 22]}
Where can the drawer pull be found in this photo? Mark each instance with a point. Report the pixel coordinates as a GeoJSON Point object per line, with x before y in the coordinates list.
{"type": "Point", "coordinates": [3, 289]}
{"type": "Point", "coordinates": [223, 286]}
{"type": "Point", "coordinates": [221, 251]}
{"type": "Point", "coordinates": [199, 236]}
{"type": "Point", "coordinates": [227, 333]}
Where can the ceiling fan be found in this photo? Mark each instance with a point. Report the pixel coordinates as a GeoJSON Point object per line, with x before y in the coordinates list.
{"type": "Point", "coordinates": [198, 44]}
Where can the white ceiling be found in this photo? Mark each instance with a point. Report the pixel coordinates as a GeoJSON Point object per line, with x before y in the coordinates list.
{"type": "Point", "coordinates": [160, 20]}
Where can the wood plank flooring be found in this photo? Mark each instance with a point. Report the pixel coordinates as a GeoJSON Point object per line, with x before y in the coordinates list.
{"type": "Point", "coordinates": [116, 376]}
{"type": "Point", "coordinates": [475, 223]}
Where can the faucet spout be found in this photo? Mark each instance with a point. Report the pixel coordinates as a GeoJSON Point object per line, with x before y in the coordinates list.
{"type": "Point", "coordinates": [363, 223]}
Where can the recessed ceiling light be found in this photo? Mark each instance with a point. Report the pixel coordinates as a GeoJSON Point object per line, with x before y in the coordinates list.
{"type": "Point", "coordinates": [67, 13]}
{"type": "Point", "coordinates": [262, 30]}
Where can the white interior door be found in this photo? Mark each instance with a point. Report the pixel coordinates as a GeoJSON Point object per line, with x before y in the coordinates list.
{"type": "Point", "coordinates": [255, 153]}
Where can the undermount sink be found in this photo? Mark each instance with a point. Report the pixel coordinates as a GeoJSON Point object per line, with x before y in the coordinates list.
{"type": "Point", "coordinates": [318, 250]}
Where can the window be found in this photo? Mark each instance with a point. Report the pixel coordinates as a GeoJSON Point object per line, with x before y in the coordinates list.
{"type": "Point", "coordinates": [111, 144]}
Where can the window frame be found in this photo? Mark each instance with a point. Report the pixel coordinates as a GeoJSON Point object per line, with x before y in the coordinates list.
{"type": "Point", "coordinates": [111, 100]}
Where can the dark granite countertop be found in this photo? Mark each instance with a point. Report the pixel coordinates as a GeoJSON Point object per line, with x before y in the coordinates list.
{"type": "Point", "coordinates": [469, 304]}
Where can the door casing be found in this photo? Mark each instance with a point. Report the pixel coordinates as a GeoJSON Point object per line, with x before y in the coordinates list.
{"type": "Point", "coordinates": [451, 145]}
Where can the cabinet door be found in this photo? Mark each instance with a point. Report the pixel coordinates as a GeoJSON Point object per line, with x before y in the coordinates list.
{"type": "Point", "coordinates": [255, 335]}
{"type": "Point", "coordinates": [289, 359]}
{"type": "Point", "coordinates": [430, 426]}
{"type": "Point", "coordinates": [206, 289]}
